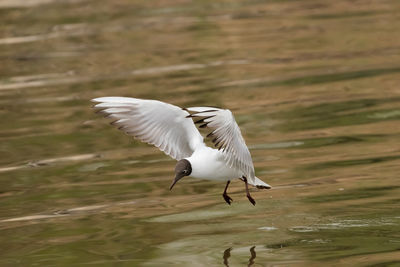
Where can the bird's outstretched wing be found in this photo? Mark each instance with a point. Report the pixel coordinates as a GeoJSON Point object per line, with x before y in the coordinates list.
{"type": "Point", "coordinates": [226, 136]}
{"type": "Point", "coordinates": [160, 124]}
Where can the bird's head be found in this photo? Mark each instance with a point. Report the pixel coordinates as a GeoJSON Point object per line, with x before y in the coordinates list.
{"type": "Point", "coordinates": [183, 168]}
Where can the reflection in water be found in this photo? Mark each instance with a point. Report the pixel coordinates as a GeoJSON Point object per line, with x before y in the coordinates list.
{"type": "Point", "coordinates": [253, 255]}
{"type": "Point", "coordinates": [227, 255]}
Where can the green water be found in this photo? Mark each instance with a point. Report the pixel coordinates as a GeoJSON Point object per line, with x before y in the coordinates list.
{"type": "Point", "coordinates": [314, 86]}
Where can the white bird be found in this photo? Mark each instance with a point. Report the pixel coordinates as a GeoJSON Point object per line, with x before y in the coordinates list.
{"type": "Point", "coordinates": [172, 129]}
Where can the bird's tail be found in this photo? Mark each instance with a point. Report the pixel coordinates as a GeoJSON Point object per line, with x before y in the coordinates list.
{"type": "Point", "coordinates": [259, 184]}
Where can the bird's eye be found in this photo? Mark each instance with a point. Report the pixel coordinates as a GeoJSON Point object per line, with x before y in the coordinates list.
{"type": "Point", "coordinates": [184, 171]}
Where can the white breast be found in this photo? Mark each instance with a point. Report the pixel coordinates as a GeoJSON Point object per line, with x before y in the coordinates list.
{"type": "Point", "coordinates": [208, 163]}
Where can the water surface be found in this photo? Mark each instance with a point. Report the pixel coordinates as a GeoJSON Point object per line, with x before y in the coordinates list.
{"type": "Point", "coordinates": [314, 86]}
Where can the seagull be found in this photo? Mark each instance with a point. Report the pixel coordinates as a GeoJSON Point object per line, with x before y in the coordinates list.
{"type": "Point", "coordinates": [173, 130]}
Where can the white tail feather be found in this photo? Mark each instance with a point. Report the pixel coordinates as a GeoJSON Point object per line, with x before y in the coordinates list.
{"type": "Point", "coordinates": [259, 184]}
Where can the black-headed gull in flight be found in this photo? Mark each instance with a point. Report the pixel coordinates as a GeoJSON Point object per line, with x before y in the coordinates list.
{"type": "Point", "coordinates": [172, 129]}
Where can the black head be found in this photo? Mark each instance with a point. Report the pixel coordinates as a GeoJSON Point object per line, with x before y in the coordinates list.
{"type": "Point", "coordinates": [183, 168]}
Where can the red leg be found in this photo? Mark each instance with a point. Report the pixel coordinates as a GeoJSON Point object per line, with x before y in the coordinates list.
{"type": "Point", "coordinates": [248, 193]}
{"type": "Point", "coordinates": [227, 198]}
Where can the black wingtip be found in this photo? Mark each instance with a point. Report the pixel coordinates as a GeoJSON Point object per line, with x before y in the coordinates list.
{"type": "Point", "coordinates": [203, 125]}
{"type": "Point", "coordinates": [200, 121]}
{"type": "Point", "coordinates": [217, 143]}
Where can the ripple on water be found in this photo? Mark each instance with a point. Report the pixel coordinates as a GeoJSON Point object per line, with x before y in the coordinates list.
{"type": "Point", "coordinates": [277, 145]}
{"type": "Point", "coordinates": [195, 215]}
{"type": "Point", "coordinates": [267, 228]}
{"type": "Point", "coordinates": [350, 223]}
{"type": "Point", "coordinates": [304, 229]}
{"type": "Point", "coordinates": [23, 3]}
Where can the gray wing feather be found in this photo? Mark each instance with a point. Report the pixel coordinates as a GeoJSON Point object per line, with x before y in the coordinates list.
{"type": "Point", "coordinates": [160, 124]}
{"type": "Point", "coordinates": [226, 136]}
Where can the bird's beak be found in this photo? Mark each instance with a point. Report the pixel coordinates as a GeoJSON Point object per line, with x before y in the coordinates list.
{"type": "Point", "coordinates": [177, 178]}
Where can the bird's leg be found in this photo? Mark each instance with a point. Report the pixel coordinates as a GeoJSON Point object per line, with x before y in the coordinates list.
{"type": "Point", "coordinates": [247, 192]}
{"type": "Point", "coordinates": [227, 198]}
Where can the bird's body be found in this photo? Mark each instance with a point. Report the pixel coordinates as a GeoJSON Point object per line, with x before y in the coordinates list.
{"type": "Point", "coordinates": [209, 163]}
{"type": "Point", "coordinates": [173, 131]}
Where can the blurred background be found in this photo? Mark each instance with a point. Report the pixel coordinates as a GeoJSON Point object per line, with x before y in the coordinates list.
{"type": "Point", "coordinates": [314, 86]}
